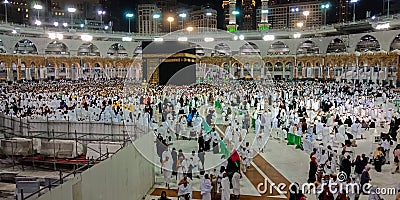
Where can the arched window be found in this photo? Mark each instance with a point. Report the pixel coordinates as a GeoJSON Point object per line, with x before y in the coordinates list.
{"type": "Point", "coordinates": [336, 46]}
{"type": "Point", "coordinates": [278, 48]}
{"type": "Point", "coordinates": [308, 47]}
{"type": "Point", "coordinates": [56, 48]}
{"type": "Point", "coordinates": [117, 50]}
{"type": "Point", "coordinates": [249, 49]}
{"type": "Point", "coordinates": [368, 43]}
{"type": "Point", "coordinates": [25, 46]}
{"type": "Point", "coordinates": [88, 49]}
{"type": "Point", "coordinates": [395, 44]}
{"type": "Point", "coordinates": [222, 49]}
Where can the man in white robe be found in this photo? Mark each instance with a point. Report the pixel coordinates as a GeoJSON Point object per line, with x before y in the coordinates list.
{"type": "Point", "coordinates": [236, 184]}
{"type": "Point", "coordinates": [167, 169]}
{"type": "Point", "coordinates": [326, 135]}
{"type": "Point", "coordinates": [246, 155]}
{"type": "Point", "coordinates": [319, 129]}
{"type": "Point", "coordinates": [225, 185]}
{"type": "Point", "coordinates": [340, 136]}
{"type": "Point", "coordinates": [196, 164]}
{"type": "Point", "coordinates": [206, 188]}
{"type": "Point", "coordinates": [185, 190]}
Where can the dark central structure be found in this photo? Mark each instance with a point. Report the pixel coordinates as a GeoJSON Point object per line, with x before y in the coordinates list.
{"type": "Point", "coordinates": [169, 63]}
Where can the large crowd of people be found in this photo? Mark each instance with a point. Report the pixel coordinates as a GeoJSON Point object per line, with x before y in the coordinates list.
{"type": "Point", "coordinates": [330, 117]}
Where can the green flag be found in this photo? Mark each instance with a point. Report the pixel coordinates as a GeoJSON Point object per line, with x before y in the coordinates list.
{"type": "Point", "coordinates": [224, 149]}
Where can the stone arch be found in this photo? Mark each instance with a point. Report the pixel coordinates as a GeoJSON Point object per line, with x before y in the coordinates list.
{"type": "Point", "coordinates": [14, 70]}
{"type": "Point", "coordinates": [32, 63]}
{"type": "Point", "coordinates": [288, 64]}
{"type": "Point", "coordinates": [225, 66]}
{"type": "Point", "coordinates": [329, 64]}
{"type": "Point", "coordinates": [62, 69]}
{"type": "Point", "coordinates": [257, 64]}
{"type": "Point", "coordinates": [279, 63]}
{"type": "Point", "coordinates": [368, 43]}
{"type": "Point", "coordinates": [75, 64]}
{"type": "Point", "coordinates": [117, 49]}
{"type": "Point", "coordinates": [25, 46]}
{"type": "Point", "coordinates": [395, 45]}
{"type": "Point", "coordinates": [50, 69]}
{"type": "Point", "coordinates": [52, 64]}
{"type": "Point", "coordinates": [278, 48]}
{"type": "Point", "coordinates": [56, 48]}
{"type": "Point", "coordinates": [336, 46]}
{"type": "Point", "coordinates": [119, 64]}
{"type": "Point", "coordinates": [88, 49]}
{"type": "Point", "coordinates": [278, 66]}
{"type": "Point", "coordinates": [2, 48]}
{"type": "Point", "coordinates": [307, 47]}
{"type": "Point", "coordinates": [222, 49]}
{"type": "Point", "coordinates": [199, 50]}
{"type": "Point", "coordinates": [300, 64]}
{"type": "Point", "coordinates": [340, 62]}
{"type": "Point", "coordinates": [108, 64]}
{"type": "Point", "coordinates": [249, 49]}
{"type": "Point", "coordinates": [138, 51]}
{"type": "Point", "coordinates": [98, 64]}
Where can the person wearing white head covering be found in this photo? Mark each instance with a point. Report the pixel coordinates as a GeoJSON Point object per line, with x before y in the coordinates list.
{"type": "Point", "coordinates": [386, 147]}
{"type": "Point", "coordinates": [373, 193]}
{"type": "Point", "coordinates": [185, 190]}
{"type": "Point", "coordinates": [258, 125]}
{"type": "Point", "coordinates": [167, 168]}
{"type": "Point", "coordinates": [319, 129]}
{"type": "Point", "coordinates": [225, 185]}
{"type": "Point", "coordinates": [236, 184]}
{"type": "Point", "coordinates": [206, 188]}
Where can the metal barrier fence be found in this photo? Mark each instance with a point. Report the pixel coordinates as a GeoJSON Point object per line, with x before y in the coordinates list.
{"type": "Point", "coordinates": [60, 181]}
{"type": "Point", "coordinates": [82, 132]}
{"type": "Point", "coordinates": [12, 126]}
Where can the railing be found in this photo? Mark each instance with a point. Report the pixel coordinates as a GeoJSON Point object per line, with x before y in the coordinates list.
{"type": "Point", "coordinates": [60, 181]}
{"type": "Point", "coordinates": [11, 126]}
{"type": "Point", "coordinates": [20, 127]}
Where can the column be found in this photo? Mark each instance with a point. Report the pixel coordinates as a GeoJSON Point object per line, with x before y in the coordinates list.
{"type": "Point", "coordinates": [137, 71]}
{"type": "Point", "coordinates": [252, 71]}
{"type": "Point", "coordinates": [36, 73]}
{"type": "Point", "coordinates": [9, 73]}
{"type": "Point", "coordinates": [263, 72]}
{"type": "Point", "coordinates": [56, 71]}
{"type": "Point", "coordinates": [19, 73]}
{"type": "Point", "coordinates": [42, 72]}
{"type": "Point", "coordinates": [28, 75]}
{"type": "Point", "coordinates": [241, 72]}
{"type": "Point", "coordinates": [231, 69]}
{"type": "Point", "coordinates": [67, 72]}
{"type": "Point", "coordinates": [321, 72]}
